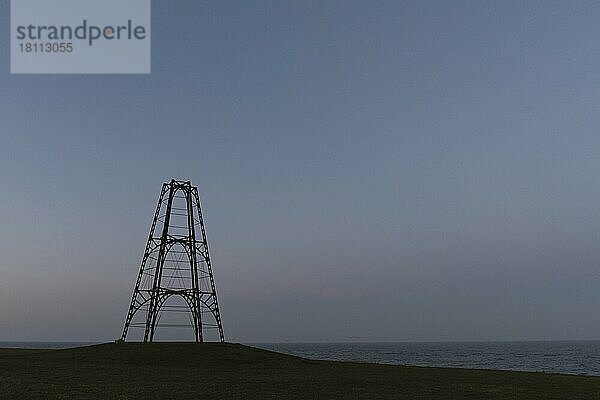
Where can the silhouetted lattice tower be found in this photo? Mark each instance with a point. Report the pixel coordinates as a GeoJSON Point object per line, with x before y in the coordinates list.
{"type": "Point", "coordinates": [175, 264]}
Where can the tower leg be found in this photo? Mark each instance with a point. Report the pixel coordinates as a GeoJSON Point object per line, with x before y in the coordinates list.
{"type": "Point", "coordinates": [136, 302]}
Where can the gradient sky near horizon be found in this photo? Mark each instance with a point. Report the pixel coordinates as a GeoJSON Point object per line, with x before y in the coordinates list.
{"type": "Point", "coordinates": [370, 170]}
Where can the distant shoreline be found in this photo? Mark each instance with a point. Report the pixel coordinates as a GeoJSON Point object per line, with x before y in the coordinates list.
{"type": "Point", "coordinates": [581, 358]}
{"type": "Point", "coordinates": [224, 370]}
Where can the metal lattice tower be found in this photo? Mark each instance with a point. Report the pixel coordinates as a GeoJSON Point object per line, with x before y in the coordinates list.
{"type": "Point", "coordinates": [175, 265]}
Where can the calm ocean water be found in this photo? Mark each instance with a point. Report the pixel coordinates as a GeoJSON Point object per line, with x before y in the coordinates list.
{"type": "Point", "coordinates": [43, 345]}
{"type": "Point", "coordinates": [581, 358]}
{"type": "Point", "coordinates": [578, 357]}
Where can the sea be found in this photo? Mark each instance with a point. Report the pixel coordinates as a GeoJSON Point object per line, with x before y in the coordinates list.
{"type": "Point", "coordinates": [566, 357]}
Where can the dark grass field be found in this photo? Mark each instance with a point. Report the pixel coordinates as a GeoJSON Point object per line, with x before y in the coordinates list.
{"type": "Point", "coordinates": [232, 371]}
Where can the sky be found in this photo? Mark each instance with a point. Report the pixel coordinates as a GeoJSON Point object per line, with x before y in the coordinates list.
{"type": "Point", "coordinates": [369, 171]}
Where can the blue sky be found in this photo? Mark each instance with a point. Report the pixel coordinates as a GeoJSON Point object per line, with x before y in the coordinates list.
{"type": "Point", "coordinates": [369, 171]}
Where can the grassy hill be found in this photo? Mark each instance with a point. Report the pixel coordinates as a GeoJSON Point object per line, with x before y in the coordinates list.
{"type": "Point", "coordinates": [233, 371]}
